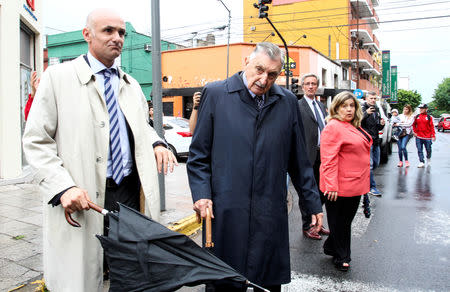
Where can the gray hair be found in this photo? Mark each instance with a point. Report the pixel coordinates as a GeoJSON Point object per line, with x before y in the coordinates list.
{"type": "Point", "coordinates": [309, 75]}
{"type": "Point", "coordinates": [271, 50]}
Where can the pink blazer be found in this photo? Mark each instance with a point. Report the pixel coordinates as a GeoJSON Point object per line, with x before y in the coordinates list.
{"type": "Point", "coordinates": [345, 159]}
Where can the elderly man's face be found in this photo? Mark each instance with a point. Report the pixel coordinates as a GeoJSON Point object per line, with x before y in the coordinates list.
{"type": "Point", "coordinates": [310, 86]}
{"type": "Point", "coordinates": [261, 72]}
{"type": "Point", "coordinates": [105, 37]}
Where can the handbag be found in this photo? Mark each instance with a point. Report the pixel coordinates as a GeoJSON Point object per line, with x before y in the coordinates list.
{"type": "Point", "coordinates": [402, 133]}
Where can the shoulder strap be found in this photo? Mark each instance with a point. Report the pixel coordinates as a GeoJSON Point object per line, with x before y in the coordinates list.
{"type": "Point", "coordinates": [364, 133]}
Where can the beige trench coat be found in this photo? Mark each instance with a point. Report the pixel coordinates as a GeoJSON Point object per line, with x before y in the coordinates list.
{"type": "Point", "coordinates": [67, 140]}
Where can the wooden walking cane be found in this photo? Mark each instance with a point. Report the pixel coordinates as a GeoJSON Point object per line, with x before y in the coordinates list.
{"type": "Point", "coordinates": [208, 235]}
{"type": "Point", "coordinates": [208, 241]}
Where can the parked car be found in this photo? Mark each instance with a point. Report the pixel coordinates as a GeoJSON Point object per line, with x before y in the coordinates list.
{"type": "Point", "coordinates": [435, 121]}
{"type": "Point", "coordinates": [177, 134]}
{"type": "Point", "coordinates": [444, 123]}
{"type": "Point", "coordinates": [385, 134]}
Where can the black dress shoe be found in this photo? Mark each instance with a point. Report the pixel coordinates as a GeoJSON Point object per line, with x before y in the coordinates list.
{"type": "Point", "coordinates": [311, 233]}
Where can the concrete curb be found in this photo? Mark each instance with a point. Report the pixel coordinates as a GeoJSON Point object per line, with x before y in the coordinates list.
{"type": "Point", "coordinates": [187, 226]}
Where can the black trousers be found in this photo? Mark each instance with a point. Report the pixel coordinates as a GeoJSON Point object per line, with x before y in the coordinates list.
{"type": "Point", "coordinates": [340, 214]}
{"type": "Point", "coordinates": [234, 287]}
{"type": "Point", "coordinates": [306, 217]}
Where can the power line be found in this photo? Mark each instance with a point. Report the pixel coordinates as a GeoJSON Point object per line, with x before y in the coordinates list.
{"type": "Point", "coordinates": [322, 17]}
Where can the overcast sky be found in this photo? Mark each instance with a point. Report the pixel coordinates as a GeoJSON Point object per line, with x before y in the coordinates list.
{"type": "Point", "coordinates": [420, 48]}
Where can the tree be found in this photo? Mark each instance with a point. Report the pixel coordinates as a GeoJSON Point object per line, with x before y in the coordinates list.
{"type": "Point", "coordinates": [407, 97]}
{"type": "Point", "coordinates": [441, 97]}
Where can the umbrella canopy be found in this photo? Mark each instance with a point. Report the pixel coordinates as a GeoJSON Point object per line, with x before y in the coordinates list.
{"type": "Point", "coordinates": [143, 255]}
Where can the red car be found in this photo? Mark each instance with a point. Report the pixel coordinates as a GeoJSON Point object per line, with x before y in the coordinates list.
{"type": "Point", "coordinates": [444, 124]}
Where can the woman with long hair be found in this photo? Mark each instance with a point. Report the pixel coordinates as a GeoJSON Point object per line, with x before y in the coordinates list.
{"type": "Point", "coordinates": [344, 173]}
{"type": "Point", "coordinates": [406, 121]}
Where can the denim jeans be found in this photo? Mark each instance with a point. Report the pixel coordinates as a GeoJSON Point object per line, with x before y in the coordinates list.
{"type": "Point", "coordinates": [419, 144]}
{"type": "Point", "coordinates": [374, 162]}
{"type": "Point", "coordinates": [402, 142]}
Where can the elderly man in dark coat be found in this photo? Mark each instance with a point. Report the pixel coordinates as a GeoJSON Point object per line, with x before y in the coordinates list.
{"type": "Point", "coordinates": [249, 134]}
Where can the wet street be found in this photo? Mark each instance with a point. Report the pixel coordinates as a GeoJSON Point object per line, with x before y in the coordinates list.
{"type": "Point", "coordinates": [404, 246]}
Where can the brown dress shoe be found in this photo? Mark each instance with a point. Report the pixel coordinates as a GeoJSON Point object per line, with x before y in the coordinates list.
{"type": "Point", "coordinates": [311, 233]}
{"type": "Point", "coordinates": [324, 231]}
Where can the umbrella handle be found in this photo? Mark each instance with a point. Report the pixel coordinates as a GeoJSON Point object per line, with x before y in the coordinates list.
{"type": "Point", "coordinates": [93, 206]}
{"type": "Point", "coordinates": [208, 241]}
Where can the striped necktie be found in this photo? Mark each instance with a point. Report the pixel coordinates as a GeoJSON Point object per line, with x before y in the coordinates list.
{"type": "Point", "coordinates": [318, 118]}
{"type": "Point", "coordinates": [114, 137]}
{"type": "Point", "coordinates": [259, 101]}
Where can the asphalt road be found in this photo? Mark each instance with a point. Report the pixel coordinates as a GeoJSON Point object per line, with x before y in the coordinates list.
{"type": "Point", "coordinates": [404, 246]}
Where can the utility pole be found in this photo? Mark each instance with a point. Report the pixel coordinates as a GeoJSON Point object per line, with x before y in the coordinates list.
{"type": "Point", "coordinates": [357, 44]}
{"type": "Point", "coordinates": [157, 89]}
{"type": "Point", "coordinates": [228, 42]}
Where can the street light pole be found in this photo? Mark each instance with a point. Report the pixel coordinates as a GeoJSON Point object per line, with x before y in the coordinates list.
{"type": "Point", "coordinates": [228, 42]}
{"type": "Point", "coordinates": [286, 72]}
{"type": "Point", "coordinates": [157, 88]}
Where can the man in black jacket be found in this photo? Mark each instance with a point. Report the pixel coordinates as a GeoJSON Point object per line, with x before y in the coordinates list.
{"type": "Point", "coordinates": [313, 115]}
{"type": "Point", "coordinates": [372, 123]}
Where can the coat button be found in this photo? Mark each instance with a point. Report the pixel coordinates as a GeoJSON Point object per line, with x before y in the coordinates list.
{"type": "Point", "coordinates": [99, 159]}
{"type": "Point", "coordinates": [102, 124]}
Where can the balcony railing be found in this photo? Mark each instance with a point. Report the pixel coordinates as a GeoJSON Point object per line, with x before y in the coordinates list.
{"type": "Point", "coordinates": [365, 8]}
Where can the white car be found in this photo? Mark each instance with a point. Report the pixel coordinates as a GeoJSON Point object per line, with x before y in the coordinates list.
{"type": "Point", "coordinates": [177, 134]}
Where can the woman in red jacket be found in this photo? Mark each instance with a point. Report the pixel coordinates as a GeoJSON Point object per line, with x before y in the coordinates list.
{"type": "Point", "coordinates": [344, 173]}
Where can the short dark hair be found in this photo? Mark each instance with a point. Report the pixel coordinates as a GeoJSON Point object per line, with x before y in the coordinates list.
{"type": "Point", "coordinates": [150, 104]}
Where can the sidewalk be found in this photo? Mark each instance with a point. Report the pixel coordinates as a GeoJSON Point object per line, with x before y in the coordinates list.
{"type": "Point", "coordinates": [21, 227]}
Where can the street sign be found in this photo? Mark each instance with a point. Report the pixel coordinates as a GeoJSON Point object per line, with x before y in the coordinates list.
{"type": "Point", "coordinates": [358, 93]}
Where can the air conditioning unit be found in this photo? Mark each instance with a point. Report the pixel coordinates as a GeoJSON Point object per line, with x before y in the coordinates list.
{"type": "Point", "coordinates": [148, 47]}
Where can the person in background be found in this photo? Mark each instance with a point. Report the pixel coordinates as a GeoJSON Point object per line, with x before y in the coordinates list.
{"type": "Point", "coordinates": [405, 123]}
{"type": "Point", "coordinates": [425, 135]}
{"type": "Point", "coordinates": [313, 115]}
{"type": "Point", "coordinates": [249, 134]}
{"type": "Point", "coordinates": [194, 113]}
{"type": "Point", "coordinates": [395, 119]}
{"type": "Point", "coordinates": [34, 85]}
{"type": "Point", "coordinates": [150, 112]}
{"type": "Point", "coordinates": [372, 123]}
{"type": "Point", "coordinates": [88, 138]}
{"type": "Point", "coordinates": [344, 173]}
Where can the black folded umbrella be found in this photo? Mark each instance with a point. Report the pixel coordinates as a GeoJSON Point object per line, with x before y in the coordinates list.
{"type": "Point", "coordinates": [143, 255]}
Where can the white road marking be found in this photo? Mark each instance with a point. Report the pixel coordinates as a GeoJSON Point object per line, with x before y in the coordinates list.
{"type": "Point", "coordinates": [306, 283]}
{"type": "Point", "coordinates": [432, 227]}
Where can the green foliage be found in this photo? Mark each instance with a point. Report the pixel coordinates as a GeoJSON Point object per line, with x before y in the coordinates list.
{"type": "Point", "coordinates": [441, 97]}
{"type": "Point", "coordinates": [18, 237]}
{"type": "Point", "coordinates": [407, 97]}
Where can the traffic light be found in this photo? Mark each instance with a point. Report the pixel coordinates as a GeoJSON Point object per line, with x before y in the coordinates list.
{"type": "Point", "coordinates": [294, 85]}
{"type": "Point", "coordinates": [263, 8]}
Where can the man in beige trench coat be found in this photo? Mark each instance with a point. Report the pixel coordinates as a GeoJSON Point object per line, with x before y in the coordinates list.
{"type": "Point", "coordinates": [67, 139]}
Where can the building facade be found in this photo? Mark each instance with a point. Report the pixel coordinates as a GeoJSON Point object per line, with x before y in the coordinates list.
{"type": "Point", "coordinates": [342, 30]}
{"type": "Point", "coordinates": [136, 58]}
{"type": "Point", "coordinates": [187, 70]}
{"type": "Point", "coordinates": [20, 54]}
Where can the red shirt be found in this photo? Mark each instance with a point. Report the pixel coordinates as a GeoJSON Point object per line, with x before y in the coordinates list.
{"type": "Point", "coordinates": [423, 127]}
{"type": "Point", "coordinates": [345, 159]}
{"type": "Point", "coordinates": [28, 106]}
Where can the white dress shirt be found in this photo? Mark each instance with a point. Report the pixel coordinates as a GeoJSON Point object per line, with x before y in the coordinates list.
{"type": "Point", "coordinates": [127, 160]}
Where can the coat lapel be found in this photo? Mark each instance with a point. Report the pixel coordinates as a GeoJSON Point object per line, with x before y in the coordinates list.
{"type": "Point", "coordinates": [85, 74]}
{"type": "Point", "coordinates": [307, 109]}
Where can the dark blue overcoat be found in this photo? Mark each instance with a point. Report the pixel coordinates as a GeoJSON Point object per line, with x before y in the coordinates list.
{"type": "Point", "coordinates": [239, 157]}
